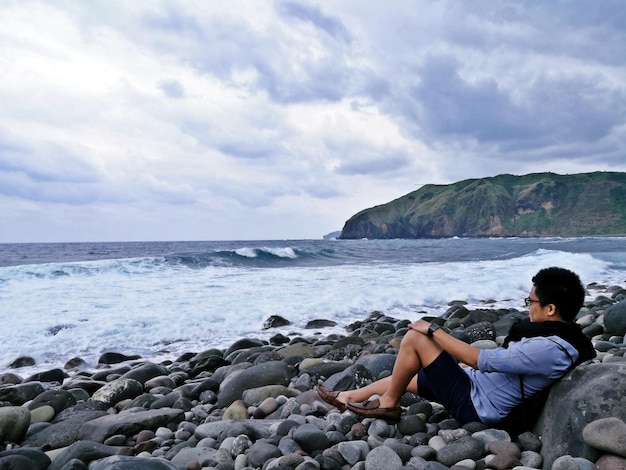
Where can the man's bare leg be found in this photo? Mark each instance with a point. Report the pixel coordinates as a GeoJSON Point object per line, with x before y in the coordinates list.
{"type": "Point", "coordinates": [416, 351]}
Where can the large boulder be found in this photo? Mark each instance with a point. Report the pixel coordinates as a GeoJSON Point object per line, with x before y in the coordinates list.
{"type": "Point", "coordinates": [267, 373]}
{"type": "Point", "coordinates": [584, 395]}
{"type": "Point", "coordinates": [615, 319]}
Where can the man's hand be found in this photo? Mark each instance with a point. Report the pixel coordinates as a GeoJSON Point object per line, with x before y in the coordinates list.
{"type": "Point", "coordinates": [421, 326]}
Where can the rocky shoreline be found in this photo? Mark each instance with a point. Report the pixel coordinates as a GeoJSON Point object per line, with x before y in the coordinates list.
{"type": "Point", "coordinates": [254, 405]}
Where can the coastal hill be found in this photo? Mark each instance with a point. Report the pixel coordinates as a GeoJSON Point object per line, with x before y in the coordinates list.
{"type": "Point", "coordinates": [533, 205]}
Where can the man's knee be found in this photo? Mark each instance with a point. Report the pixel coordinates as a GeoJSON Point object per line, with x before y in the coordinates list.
{"type": "Point", "coordinates": [413, 338]}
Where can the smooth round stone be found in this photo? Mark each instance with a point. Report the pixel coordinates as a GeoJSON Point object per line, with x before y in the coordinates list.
{"type": "Point", "coordinates": [586, 320]}
{"type": "Point", "coordinates": [467, 463]}
{"type": "Point", "coordinates": [532, 459]}
{"type": "Point", "coordinates": [116, 440]}
{"type": "Point", "coordinates": [610, 462]}
{"type": "Point", "coordinates": [42, 414]}
{"type": "Point", "coordinates": [565, 462]}
{"type": "Point", "coordinates": [488, 435]}
{"type": "Point", "coordinates": [79, 394]}
{"type": "Point", "coordinates": [584, 464]}
{"type": "Point", "coordinates": [164, 433]}
{"type": "Point", "coordinates": [17, 462]}
{"type": "Point", "coordinates": [615, 319]}
{"type": "Point", "coordinates": [310, 437]}
{"type": "Point", "coordinates": [485, 344]}
{"type": "Point", "coordinates": [529, 441]}
{"type": "Point", "coordinates": [14, 422]}
{"type": "Point", "coordinates": [437, 442]}
{"type": "Point", "coordinates": [237, 410]}
{"type": "Point", "coordinates": [380, 428]}
{"type": "Point", "coordinates": [353, 451]}
{"type": "Point", "coordinates": [382, 458]}
{"type": "Point", "coordinates": [464, 448]}
{"type": "Point", "coordinates": [424, 452]}
{"type": "Point", "coordinates": [604, 346]}
{"type": "Point", "coordinates": [607, 434]}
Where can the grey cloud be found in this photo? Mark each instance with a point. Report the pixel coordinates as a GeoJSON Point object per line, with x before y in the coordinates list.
{"type": "Point", "coordinates": [249, 140]}
{"type": "Point", "coordinates": [45, 162]}
{"type": "Point", "coordinates": [222, 47]}
{"type": "Point", "coordinates": [172, 89]}
{"type": "Point", "coordinates": [554, 110]}
{"type": "Point", "coordinates": [315, 16]}
{"type": "Point", "coordinates": [378, 165]}
{"type": "Point", "coordinates": [587, 30]}
{"type": "Point", "coordinates": [358, 158]}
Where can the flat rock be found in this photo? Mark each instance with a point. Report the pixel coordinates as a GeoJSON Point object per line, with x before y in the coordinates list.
{"type": "Point", "coordinates": [129, 423]}
{"type": "Point", "coordinates": [123, 462]}
{"type": "Point", "coordinates": [85, 451]}
{"type": "Point", "coordinates": [63, 433]}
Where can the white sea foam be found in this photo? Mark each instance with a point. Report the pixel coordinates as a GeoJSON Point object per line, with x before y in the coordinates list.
{"type": "Point", "coordinates": [54, 312]}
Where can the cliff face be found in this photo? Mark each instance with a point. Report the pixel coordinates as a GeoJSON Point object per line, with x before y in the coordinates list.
{"type": "Point", "coordinates": [534, 205]}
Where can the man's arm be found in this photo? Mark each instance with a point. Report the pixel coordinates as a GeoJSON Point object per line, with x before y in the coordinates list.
{"type": "Point", "coordinates": [455, 347]}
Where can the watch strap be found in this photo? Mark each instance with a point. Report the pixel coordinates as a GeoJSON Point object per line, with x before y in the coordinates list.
{"type": "Point", "coordinates": [432, 328]}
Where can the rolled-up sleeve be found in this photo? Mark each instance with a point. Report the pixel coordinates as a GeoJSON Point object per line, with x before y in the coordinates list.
{"type": "Point", "coordinates": [529, 356]}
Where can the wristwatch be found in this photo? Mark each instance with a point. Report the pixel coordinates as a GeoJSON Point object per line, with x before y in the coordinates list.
{"type": "Point", "coordinates": [432, 328]}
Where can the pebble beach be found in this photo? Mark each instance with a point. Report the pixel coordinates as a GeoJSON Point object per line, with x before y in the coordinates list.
{"type": "Point", "coordinates": [254, 405]}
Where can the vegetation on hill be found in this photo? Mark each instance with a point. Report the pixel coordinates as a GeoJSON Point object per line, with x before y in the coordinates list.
{"type": "Point", "coordinates": [534, 205]}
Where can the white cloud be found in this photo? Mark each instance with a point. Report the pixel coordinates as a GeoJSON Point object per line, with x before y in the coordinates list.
{"type": "Point", "coordinates": [230, 120]}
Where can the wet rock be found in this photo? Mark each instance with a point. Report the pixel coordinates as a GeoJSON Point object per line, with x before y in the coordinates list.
{"type": "Point", "coordinates": [118, 390]}
{"type": "Point", "coordinates": [19, 394]}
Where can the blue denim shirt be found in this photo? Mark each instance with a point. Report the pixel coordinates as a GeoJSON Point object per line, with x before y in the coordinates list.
{"type": "Point", "coordinates": [496, 385]}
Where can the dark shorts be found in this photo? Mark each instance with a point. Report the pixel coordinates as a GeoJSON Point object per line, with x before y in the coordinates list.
{"type": "Point", "coordinates": [445, 382]}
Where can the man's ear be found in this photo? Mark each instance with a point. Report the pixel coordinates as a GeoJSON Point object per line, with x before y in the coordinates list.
{"type": "Point", "coordinates": [553, 311]}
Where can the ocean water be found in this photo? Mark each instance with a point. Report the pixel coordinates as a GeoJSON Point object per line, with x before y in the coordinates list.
{"type": "Point", "coordinates": [161, 299]}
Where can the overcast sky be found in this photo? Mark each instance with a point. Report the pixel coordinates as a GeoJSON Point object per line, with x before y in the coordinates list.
{"type": "Point", "coordinates": [213, 120]}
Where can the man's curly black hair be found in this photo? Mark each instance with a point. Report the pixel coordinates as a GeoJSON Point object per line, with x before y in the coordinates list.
{"type": "Point", "coordinates": [561, 287]}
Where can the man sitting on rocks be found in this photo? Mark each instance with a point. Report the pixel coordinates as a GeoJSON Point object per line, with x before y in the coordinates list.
{"type": "Point", "coordinates": [483, 385]}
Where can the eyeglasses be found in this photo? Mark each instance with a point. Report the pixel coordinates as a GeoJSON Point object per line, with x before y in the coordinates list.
{"type": "Point", "coordinates": [529, 301]}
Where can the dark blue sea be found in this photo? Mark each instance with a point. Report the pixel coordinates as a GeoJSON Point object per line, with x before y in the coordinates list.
{"type": "Point", "coordinates": [160, 299]}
